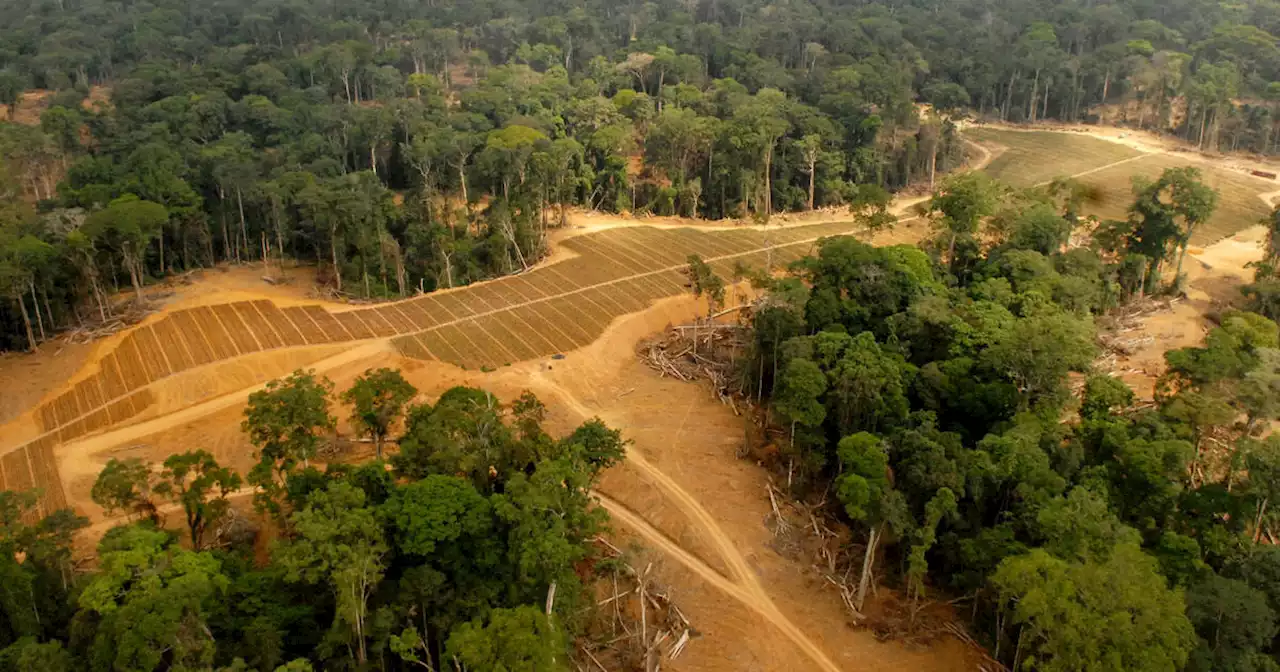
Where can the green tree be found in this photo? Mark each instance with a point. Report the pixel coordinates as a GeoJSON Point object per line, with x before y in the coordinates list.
{"type": "Point", "coordinates": [1038, 351]}
{"type": "Point", "coordinates": [1167, 212]}
{"type": "Point", "coordinates": [127, 226]}
{"type": "Point", "coordinates": [1234, 623]}
{"type": "Point", "coordinates": [798, 395]}
{"type": "Point", "coordinates": [12, 86]}
{"type": "Point", "coordinates": [377, 399]}
{"type": "Point", "coordinates": [339, 542]}
{"type": "Point", "coordinates": [1057, 606]}
{"type": "Point", "coordinates": [957, 210]}
{"type": "Point", "coordinates": [462, 434]}
{"type": "Point", "coordinates": [510, 640]}
{"type": "Point", "coordinates": [126, 485]}
{"type": "Point", "coordinates": [704, 281]}
{"type": "Point", "coordinates": [196, 481]}
{"type": "Point", "coordinates": [154, 601]}
{"type": "Point", "coordinates": [27, 655]}
{"type": "Point", "coordinates": [863, 487]}
{"type": "Point", "coordinates": [283, 421]}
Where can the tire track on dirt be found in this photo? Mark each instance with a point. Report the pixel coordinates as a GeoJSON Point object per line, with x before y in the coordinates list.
{"type": "Point", "coordinates": [761, 604]}
{"type": "Point", "coordinates": [747, 589]}
{"type": "Point", "coordinates": [75, 457]}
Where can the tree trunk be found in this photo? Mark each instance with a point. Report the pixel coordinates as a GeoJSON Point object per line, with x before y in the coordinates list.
{"type": "Point", "coordinates": [933, 163]}
{"type": "Point", "coordinates": [97, 296]}
{"type": "Point", "coordinates": [812, 178]}
{"type": "Point", "coordinates": [280, 244]}
{"type": "Point", "coordinates": [333, 251]}
{"type": "Point", "coordinates": [768, 187]}
{"type": "Point", "coordinates": [1204, 118]}
{"type": "Point", "coordinates": [1257, 523]}
{"type": "Point", "coordinates": [1106, 86]}
{"type": "Point", "coordinates": [48, 310]}
{"type": "Point", "coordinates": [134, 275]}
{"type": "Point", "coordinates": [362, 655]}
{"type": "Point", "coordinates": [244, 229]}
{"type": "Point", "coordinates": [35, 302]}
{"type": "Point", "coordinates": [448, 267]}
{"type": "Point", "coordinates": [222, 215]}
{"type": "Point", "coordinates": [868, 562]}
{"type": "Point", "coordinates": [462, 180]}
{"type": "Point", "coordinates": [160, 239]}
{"type": "Point", "coordinates": [1214, 129]}
{"type": "Point", "coordinates": [1008, 96]}
{"type": "Point", "coordinates": [26, 322]}
{"type": "Point", "coordinates": [1035, 88]}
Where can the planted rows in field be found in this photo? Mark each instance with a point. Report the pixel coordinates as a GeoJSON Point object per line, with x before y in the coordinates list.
{"type": "Point", "coordinates": [1031, 158]}
{"type": "Point", "coordinates": [550, 310]}
{"type": "Point", "coordinates": [1027, 158]}
{"type": "Point", "coordinates": [33, 467]}
{"type": "Point", "coordinates": [569, 305]}
{"type": "Point", "coordinates": [1239, 202]}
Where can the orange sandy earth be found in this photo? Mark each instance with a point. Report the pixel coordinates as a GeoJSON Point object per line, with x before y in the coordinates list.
{"type": "Point", "coordinates": [1214, 277]}
{"type": "Point", "coordinates": [682, 496]}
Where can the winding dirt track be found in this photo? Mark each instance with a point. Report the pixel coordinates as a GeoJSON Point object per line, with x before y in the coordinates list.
{"type": "Point", "coordinates": [742, 583]}
{"type": "Point", "coordinates": [745, 585]}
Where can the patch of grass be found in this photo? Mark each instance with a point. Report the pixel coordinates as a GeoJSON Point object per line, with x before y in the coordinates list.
{"type": "Point", "coordinates": [1239, 205]}
{"type": "Point", "coordinates": [1034, 157]}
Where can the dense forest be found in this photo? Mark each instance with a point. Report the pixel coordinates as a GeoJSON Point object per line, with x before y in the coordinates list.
{"type": "Point", "coordinates": [473, 551]}
{"type": "Point", "coordinates": [409, 146]}
{"type": "Point", "coordinates": [945, 394]}
{"type": "Point", "coordinates": [942, 400]}
{"type": "Point", "coordinates": [947, 397]}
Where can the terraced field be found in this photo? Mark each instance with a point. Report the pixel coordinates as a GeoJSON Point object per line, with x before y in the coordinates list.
{"type": "Point", "coordinates": [1031, 158]}
{"type": "Point", "coordinates": [1028, 158]}
{"type": "Point", "coordinates": [1239, 204]}
{"type": "Point", "coordinates": [549, 310]}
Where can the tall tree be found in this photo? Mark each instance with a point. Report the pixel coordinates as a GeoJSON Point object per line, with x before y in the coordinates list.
{"type": "Point", "coordinates": [377, 399]}
{"type": "Point", "coordinates": [339, 542]}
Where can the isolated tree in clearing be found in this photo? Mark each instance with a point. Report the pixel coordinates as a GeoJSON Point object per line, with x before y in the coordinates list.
{"type": "Point", "coordinates": [196, 481]}
{"type": "Point", "coordinates": [126, 485]}
{"type": "Point", "coordinates": [284, 421]}
{"type": "Point", "coordinates": [377, 399]}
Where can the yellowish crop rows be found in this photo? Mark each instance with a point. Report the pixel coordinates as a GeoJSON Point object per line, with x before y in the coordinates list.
{"type": "Point", "coordinates": [1030, 158]}
{"type": "Point", "coordinates": [1027, 158]}
{"type": "Point", "coordinates": [566, 306]}
{"type": "Point", "coordinates": [1239, 204]}
{"type": "Point", "coordinates": [549, 310]}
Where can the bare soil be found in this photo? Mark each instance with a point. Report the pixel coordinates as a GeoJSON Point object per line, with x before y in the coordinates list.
{"type": "Point", "coordinates": [1214, 277]}
{"type": "Point", "coordinates": [697, 510]}
{"type": "Point", "coordinates": [33, 103]}
{"type": "Point", "coordinates": [27, 378]}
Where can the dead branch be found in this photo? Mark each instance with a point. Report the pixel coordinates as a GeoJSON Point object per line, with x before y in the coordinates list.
{"type": "Point", "coordinates": [645, 604]}
{"type": "Point", "coordinates": [121, 317]}
{"type": "Point", "coordinates": [702, 351]}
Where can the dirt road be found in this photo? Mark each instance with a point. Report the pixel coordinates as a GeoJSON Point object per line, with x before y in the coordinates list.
{"type": "Point", "coordinates": [745, 586]}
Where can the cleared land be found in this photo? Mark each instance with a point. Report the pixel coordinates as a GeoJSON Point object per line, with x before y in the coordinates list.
{"type": "Point", "coordinates": [1026, 158]}
{"type": "Point", "coordinates": [553, 309]}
